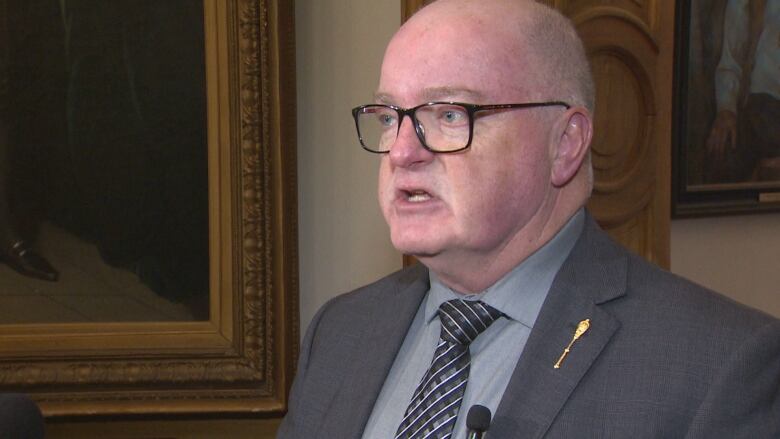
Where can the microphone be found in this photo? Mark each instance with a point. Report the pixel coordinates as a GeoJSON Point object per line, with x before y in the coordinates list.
{"type": "Point", "coordinates": [477, 421]}
{"type": "Point", "coordinates": [20, 417]}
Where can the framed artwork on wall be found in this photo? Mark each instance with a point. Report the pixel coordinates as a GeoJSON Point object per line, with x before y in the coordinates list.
{"type": "Point", "coordinates": [727, 89]}
{"type": "Point", "coordinates": [162, 140]}
{"type": "Point", "coordinates": [103, 183]}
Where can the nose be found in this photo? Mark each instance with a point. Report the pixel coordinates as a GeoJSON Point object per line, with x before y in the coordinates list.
{"type": "Point", "coordinates": [407, 150]}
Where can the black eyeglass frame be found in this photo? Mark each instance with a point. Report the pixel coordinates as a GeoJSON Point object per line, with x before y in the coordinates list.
{"type": "Point", "coordinates": [471, 109]}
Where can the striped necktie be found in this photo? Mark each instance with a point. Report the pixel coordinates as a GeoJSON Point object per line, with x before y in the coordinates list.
{"type": "Point", "coordinates": [434, 407]}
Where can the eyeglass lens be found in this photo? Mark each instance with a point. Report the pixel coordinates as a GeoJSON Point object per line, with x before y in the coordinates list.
{"type": "Point", "coordinates": [444, 127]}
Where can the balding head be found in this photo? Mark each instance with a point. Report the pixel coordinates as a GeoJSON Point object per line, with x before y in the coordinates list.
{"type": "Point", "coordinates": [549, 53]}
{"type": "Point", "coordinates": [473, 215]}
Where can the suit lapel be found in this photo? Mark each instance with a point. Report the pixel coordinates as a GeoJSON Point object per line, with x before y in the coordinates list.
{"type": "Point", "coordinates": [369, 355]}
{"type": "Point", "coordinates": [594, 273]}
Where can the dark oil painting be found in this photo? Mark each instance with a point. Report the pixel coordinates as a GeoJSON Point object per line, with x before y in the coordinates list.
{"type": "Point", "coordinates": [728, 104]}
{"type": "Point", "coordinates": [103, 161]}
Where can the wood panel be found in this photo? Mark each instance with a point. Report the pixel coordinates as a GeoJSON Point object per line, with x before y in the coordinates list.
{"type": "Point", "coordinates": [409, 7]}
{"type": "Point", "coordinates": [630, 46]}
{"type": "Point", "coordinates": [165, 429]}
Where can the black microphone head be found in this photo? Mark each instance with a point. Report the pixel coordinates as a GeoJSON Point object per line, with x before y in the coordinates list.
{"type": "Point", "coordinates": [478, 418]}
{"type": "Point", "coordinates": [20, 417]}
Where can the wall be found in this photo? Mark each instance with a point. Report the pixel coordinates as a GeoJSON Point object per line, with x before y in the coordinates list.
{"type": "Point", "coordinates": [738, 256]}
{"type": "Point", "coordinates": [343, 240]}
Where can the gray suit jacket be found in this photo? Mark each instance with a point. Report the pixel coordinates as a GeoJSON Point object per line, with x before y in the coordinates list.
{"type": "Point", "coordinates": [663, 358]}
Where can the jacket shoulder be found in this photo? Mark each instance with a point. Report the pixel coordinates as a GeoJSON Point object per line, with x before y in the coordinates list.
{"type": "Point", "coordinates": [675, 297]}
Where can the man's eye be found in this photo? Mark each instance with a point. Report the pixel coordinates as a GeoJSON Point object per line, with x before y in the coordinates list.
{"type": "Point", "coordinates": [452, 116]}
{"type": "Point", "coordinates": [386, 119]}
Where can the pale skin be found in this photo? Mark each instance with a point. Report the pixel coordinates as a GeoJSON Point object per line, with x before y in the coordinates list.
{"type": "Point", "coordinates": [471, 217]}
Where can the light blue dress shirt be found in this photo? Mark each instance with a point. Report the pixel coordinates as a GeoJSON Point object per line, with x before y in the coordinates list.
{"type": "Point", "coordinates": [494, 354]}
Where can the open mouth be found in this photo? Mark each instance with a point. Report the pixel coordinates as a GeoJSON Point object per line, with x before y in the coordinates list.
{"type": "Point", "coordinates": [417, 196]}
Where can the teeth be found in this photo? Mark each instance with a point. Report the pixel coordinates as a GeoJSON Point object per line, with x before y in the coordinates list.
{"type": "Point", "coordinates": [418, 196]}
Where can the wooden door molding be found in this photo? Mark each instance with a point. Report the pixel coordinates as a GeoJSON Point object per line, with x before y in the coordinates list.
{"type": "Point", "coordinates": [630, 47]}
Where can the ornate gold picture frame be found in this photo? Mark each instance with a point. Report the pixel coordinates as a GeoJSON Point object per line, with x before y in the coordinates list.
{"type": "Point", "coordinates": [241, 359]}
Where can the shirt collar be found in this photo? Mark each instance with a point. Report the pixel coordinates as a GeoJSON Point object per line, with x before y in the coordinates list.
{"type": "Point", "coordinates": [521, 292]}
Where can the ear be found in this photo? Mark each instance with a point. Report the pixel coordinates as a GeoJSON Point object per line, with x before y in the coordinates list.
{"type": "Point", "coordinates": [572, 146]}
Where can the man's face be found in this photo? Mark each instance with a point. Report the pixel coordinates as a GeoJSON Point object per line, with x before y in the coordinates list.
{"type": "Point", "coordinates": [472, 203]}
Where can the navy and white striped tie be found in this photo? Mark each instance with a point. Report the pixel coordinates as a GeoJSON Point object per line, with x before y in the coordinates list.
{"type": "Point", "coordinates": [434, 407]}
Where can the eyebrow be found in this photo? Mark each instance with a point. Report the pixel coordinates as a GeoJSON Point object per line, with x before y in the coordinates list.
{"type": "Point", "coordinates": [437, 94]}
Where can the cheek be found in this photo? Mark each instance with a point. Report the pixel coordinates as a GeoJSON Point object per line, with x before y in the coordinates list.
{"type": "Point", "coordinates": [495, 198]}
{"type": "Point", "coordinates": [384, 186]}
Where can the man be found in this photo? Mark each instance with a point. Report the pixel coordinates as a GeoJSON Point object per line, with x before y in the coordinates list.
{"type": "Point", "coordinates": [15, 251]}
{"type": "Point", "coordinates": [745, 135]}
{"type": "Point", "coordinates": [573, 335]}
{"type": "Point", "coordinates": [20, 194]}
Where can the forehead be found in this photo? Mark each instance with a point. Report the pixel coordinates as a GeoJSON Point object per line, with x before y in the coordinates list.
{"type": "Point", "coordinates": [478, 56]}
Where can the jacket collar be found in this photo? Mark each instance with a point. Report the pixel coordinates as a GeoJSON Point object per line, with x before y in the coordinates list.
{"type": "Point", "coordinates": [594, 274]}
{"type": "Point", "coordinates": [387, 317]}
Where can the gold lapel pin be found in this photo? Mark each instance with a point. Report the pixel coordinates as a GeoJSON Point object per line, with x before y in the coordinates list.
{"type": "Point", "coordinates": [581, 329]}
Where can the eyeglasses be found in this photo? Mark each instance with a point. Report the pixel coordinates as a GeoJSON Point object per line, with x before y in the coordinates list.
{"type": "Point", "coordinates": [442, 127]}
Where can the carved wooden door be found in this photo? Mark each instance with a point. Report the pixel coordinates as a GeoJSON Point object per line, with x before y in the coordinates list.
{"type": "Point", "coordinates": [630, 46]}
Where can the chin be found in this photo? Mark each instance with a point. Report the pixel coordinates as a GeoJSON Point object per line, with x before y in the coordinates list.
{"type": "Point", "coordinates": [421, 255]}
{"type": "Point", "coordinates": [418, 248]}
